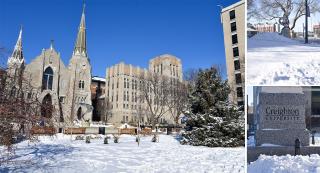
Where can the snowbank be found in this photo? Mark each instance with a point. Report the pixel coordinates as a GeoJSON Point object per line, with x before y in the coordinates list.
{"type": "Point", "coordinates": [277, 60]}
{"type": "Point", "coordinates": [63, 154]}
{"type": "Point", "coordinates": [285, 164]}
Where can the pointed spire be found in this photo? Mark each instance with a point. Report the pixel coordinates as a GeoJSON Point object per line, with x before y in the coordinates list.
{"type": "Point", "coordinates": [81, 43]}
{"type": "Point", "coordinates": [51, 44]}
{"type": "Point", "coordinates": [17, 54]}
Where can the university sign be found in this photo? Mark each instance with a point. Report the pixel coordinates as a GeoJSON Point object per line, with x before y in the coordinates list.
{"type": "Point", "coordinates": [276, 113]}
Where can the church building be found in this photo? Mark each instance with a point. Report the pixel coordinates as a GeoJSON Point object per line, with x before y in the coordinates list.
{"type": "Point", "coordinates": [65, 87]}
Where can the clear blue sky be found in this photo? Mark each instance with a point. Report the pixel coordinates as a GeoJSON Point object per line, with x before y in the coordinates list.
{"type": "Point", "coordinates": [132, 31]}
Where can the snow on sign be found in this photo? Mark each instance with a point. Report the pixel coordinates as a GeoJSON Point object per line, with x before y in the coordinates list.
{"type": "Point", "coordinates": [284, 61]}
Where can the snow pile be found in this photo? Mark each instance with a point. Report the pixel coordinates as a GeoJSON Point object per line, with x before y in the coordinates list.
{"type": "Point", "coordinates": [285, 164]}
{"type": "Point", "coordinates": [61, 154]}
{"type": "Point", "coordinates": [277, 60]}
{"type": "Point", "coordinates": [271, 36]}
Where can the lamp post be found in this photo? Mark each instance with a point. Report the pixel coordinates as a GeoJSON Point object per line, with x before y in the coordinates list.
{"type": "Point", "coordinates": [307, 15]}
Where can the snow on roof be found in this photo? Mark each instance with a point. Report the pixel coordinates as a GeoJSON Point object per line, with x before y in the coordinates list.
{"type": "Point", "coordinates": [98, 78]}
{"type": "Point", "coordinates": [251, 29]}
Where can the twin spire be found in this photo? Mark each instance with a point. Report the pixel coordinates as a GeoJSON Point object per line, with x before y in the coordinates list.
{"type": "Point", "coordinates": [81, 43]}
{"type": "Point", "coordinates": [79, 49]}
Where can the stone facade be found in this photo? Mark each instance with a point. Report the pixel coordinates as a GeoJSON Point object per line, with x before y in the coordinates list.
{"type": "Point", "coordinates": [234, 28]}
{"type": "Point", "coordinates": [67, 88]}
{"type": "Point", "coordinates": [281, 116]}
{"type": "Point", "coordinates": [122, 91]}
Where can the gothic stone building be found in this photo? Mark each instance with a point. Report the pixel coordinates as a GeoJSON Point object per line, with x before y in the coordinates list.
{"type": "Point", "coordinates": [122, 88]}
{"type": "Point", "coordinates": [66, 88]}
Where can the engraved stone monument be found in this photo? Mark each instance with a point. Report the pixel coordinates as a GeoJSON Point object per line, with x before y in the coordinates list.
{"type": "Point", "coordinates": [281, 118]}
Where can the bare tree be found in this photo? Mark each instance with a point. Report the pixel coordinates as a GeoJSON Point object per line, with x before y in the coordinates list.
{"type": "Point", "coordinates": [179, 100]}
{"type": "Point", "coordinates": [106, 106]}
{"type": "Point", "coordinates": [190, 75]}
{"type": "Point", "coordinates": [286, 12]}
{"type": "Point", "coordinates": [155, 91]}
{"type": "Point", "coordinates": [20, 109]}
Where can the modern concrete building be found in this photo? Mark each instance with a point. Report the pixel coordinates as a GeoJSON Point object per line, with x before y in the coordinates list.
{"type": "Point", "coordinates": [122, 88]}
{"type": "Point", "coordinates": [66, 88]}
{"type": "Point", "coordinates": [234, 28]}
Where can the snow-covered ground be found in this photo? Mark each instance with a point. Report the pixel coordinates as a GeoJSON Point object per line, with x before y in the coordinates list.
{"type": "Point", "coordinates": [285, 164]}
{"type": "Point", "coordinates": [275, 60]}
{"type": "Point", "coordinates": [61, 154]}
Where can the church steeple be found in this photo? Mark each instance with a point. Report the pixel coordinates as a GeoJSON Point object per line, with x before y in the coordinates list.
{"type": "Point", "coordinates": [81, 43]}
{"type": "Point", "coordinates": [17, 54]}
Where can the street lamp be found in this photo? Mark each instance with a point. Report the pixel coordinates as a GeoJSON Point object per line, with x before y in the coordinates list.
{"type": "Point", "coordinates": [307, 15]}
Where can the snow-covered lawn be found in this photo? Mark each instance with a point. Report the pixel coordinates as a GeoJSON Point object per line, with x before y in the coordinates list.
{"type": "Point", "coordinates": [61, 154]}
{"type": "Point", "coordinates": [285, 164]}
{"type": "Point", "coordinates": [275, 60]}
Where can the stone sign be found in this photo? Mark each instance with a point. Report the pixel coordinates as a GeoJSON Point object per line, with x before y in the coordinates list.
{"type": "Point", "coordinates": [281, 119]}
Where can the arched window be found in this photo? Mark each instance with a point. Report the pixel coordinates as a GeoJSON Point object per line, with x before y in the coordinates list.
{"type": "Point", "coordinates": [79, 113]}
{"type": "Point", "coordinates": [47, 79]}
{"type": "Point", "coordinates": [46, 107]}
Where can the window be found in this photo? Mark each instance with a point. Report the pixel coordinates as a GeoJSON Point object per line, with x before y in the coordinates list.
{"type": "Point", "coordinates": [238, 78]}
{"type": "Point", "coordinates": [234, 39]}
{"type": "Point", "coordinates": [236, 65]}
{"type": "Point", "coordinates": [240, 103]}
{"type": "Point", "coordinates": [124, 83]}
{"type": "Point", "coordinates": [128, 83]}
{"type": "Point", "coordinates": [132, 84]}
{"type": "Point", "coordinates": [232, 15]}
{"type": "Point", "coordinates": [127, 95]}
{"type": "Point", "coordinates": [61, 99]}
{"type": "Point", "coordinates": [47, 79]}
{"type": "Point", "coordinates": [239, 92]}
{"type": "Point", "coordinates": [233, 26]}
{"type": "Point", "coordinates": [81, 84]}
{"type": "Point", "coordinates": [235, 52]}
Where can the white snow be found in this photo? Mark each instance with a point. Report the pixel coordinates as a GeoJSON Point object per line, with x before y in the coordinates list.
{"type": "Point", "coordinates": [316, 140]}
{"type": "Point", "coordinates": [285, 164]}
{"type": "Point", "coordinates": [61, 154]}
{"type": "Point", "coordinates": [276, 60]}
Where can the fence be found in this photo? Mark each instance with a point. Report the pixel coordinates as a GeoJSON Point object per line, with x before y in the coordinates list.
{"type": "Point", "coordinates": [43, 130]}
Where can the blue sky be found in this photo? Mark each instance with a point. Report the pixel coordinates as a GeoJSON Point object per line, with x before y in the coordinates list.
{"type": "Point", "coordinates": [132, 31]}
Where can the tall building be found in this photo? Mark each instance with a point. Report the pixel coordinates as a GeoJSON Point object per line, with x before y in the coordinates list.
{"type": "Point", "coordinates": [122, 89]}
{"type": "Point", "coordinates": [66, 88]}
{"type": "Point", "coordinates": [233, 21]}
